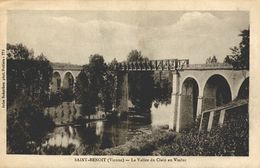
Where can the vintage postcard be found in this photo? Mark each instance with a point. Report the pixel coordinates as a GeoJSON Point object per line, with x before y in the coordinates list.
{"type": "Point", "coordinates": [129, 83]}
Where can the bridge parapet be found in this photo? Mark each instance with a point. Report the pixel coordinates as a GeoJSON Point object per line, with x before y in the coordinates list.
{"type": "Point", "coordinates": [211, 66]}
{"type": "Point", "coordinates": [169, 65]}
{"type": "Point", "coordinates": [66, 67]}
{"type": "Point", "coordinates": [153, 65]}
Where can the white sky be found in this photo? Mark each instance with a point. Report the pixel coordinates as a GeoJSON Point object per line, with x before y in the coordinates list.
{"type": "Point", "coordinates": [72, 36]}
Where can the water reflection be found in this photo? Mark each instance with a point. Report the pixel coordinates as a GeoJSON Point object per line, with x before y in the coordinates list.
{"type": "Point", "coordinates": [63, 137]}
{"type": "Point", "coordinates": [99, 128]}
{"type": "Point", "coordinates": [106, 134]}
{"type": "Point", "coordinates": [96, 135]}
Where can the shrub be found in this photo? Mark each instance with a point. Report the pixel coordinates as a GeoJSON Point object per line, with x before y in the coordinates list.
{"type": "Point", "coordinates": [26, 125]}
{"type": "Point", "coordinates": [230, 140]}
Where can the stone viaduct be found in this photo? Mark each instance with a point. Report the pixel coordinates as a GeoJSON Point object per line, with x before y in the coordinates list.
{"type": "Point", "coordinates": [64, 75]}
{"type": "Point", "coordinates": [195, 87]}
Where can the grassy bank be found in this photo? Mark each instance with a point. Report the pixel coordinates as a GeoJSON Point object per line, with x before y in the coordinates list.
{"type": "Point", "coordinates": [229, 140]}
{"type": "Point", "coordinates": [143, 144]}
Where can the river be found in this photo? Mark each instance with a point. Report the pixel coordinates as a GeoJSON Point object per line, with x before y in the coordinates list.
{"type": "Point", "coordinates": [105, 134]}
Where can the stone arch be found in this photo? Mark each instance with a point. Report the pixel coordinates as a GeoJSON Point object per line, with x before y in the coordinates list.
{"type": "Point", "coordinates": [188, 102]}
{"type": "Point", "coordinates": [243, 91]}
{"type": "Point", "coordinates": [216, 92]}
{"type": "Point", "coordinates": [56, 81]}
{"type": "Point", "coordinates": [68, 81]}
{"type": "Point", "coordinates": [197, 80]}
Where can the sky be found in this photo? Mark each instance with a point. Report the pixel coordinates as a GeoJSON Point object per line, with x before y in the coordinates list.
{"type": "Point", "coordinates": [72, 36]}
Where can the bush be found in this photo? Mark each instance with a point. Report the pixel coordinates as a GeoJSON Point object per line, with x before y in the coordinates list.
{"type": "Point", "coordinates": [26, 125]}
{"type": "Point", "coordinates": [230, 140]}
{"type": "Point", "coordinates": [55, 99]}
{"type": "Point", "coordinates": [67, 94]}
{"type": "Point", "coordinates": [28, 77]}
{"type": "Point", "coordinates": [142, 145]}
{"type": "Point", "coordinates": [57, 150]}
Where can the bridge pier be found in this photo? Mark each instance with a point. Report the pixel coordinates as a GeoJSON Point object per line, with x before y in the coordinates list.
{"type": "Point", "coordinates": [186, 103]}
{"type": "Point", "coordinates": [123, 104]}
{"type": "Point", "coordinates": [195, 88]}
{"type": "Point", "coordinates": [175, 117]}
{"type": "Point", "coordinates": [199, 106]}
{"type": "Point", "coordinates": [178, 118]}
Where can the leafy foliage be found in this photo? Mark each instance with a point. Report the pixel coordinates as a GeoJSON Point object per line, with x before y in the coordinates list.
{"type": "Point", "coordinates": [26, 124]}
{"type": "Point", "coordinates": [67, 94]}
{"type": "Point", "coordinates": [96, 85]}
{"type": "Point", "coordinates": [240, 55]}
{"type": "Point", "coordinates": [19, 52]}
{"type": "Point", "coordinates": [27, 91]}
{"type": "Point", "coordinates": [55, 99]}
{"type": "Point", "coordinates": [111, 94]}
{"type": "Point", "coordinates": [140, 84]}
{"type": "Point", "coordinates": [162, 91]}
{"type": "Point", "coordinates": [26, 75]}
{"type": "Point", "coordinates": [211, 60]}
{"type": "Point", "coordinates": [230, 140]}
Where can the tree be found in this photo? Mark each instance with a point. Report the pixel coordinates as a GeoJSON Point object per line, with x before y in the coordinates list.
{"type": "Point", "coordinates": [27, 92]}
{"type": "Point", "coordinates": [112, 86]}
{"type": "Point", "coordinates": [140, 85]}
{"type": "Point", "coordinates": [90, 84]}
{"type": "Point", "coordinates": [135, 55]}
{"type": "Point", "coordinates": [228, 60]}
{"type": "Point", "coordinates": [26, 123]}
{"type": "Point", "coordinates": [162, 89]}
{"type": "Point", "coordinates": [208, 60]}
{"type": "Point", "coordinates": [240, 55]}
{"type": "Point", "coordinates": [41, 57]}
{"type": "Point", "coordinates": [212, 60]}
{"type": "Point", "coordinates": [19, 52]}
{"type": "Point", "coordinates": [81, 85]}
{"type": "Point", "coordinates": [26, 75]}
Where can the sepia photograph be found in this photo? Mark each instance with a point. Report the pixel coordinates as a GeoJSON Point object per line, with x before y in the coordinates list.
{"type": "Point", "coordinates": [128, 83]}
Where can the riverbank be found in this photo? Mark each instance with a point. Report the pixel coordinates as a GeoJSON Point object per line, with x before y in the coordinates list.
{"type": "Point", "coordinates": [229, 140]}
{"type": "Point", "coordinates": [142, 144]}
{"type": "Point", "coordinates": [69, 113]}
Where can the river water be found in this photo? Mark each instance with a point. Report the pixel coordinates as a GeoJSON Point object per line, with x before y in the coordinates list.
{"type": "Point", "coordinates": [105, 134]}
